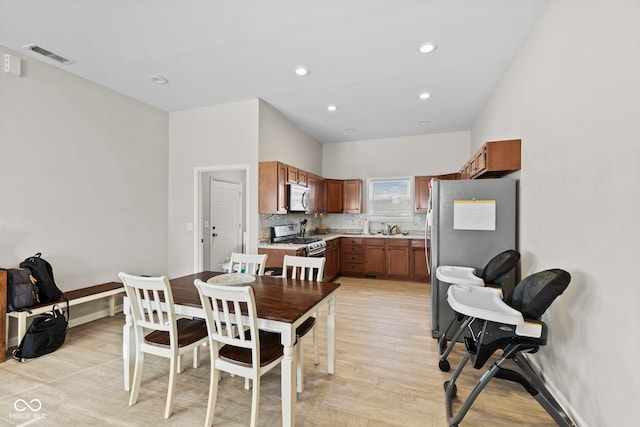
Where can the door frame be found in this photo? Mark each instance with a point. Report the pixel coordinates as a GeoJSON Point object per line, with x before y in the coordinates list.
{"type": "Point", "coordinates": [198, 220]}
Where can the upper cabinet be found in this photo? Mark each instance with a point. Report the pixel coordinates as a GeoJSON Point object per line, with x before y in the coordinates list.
{"type": "Point", "coordinates": [317, 194]}
{"type": "Point", "coordinates": [272, 197]}
{"type": "Point", "coordinates": [422, 188]}
{"type": "Point", "coordinates": [335, 193]}
{"type": "Point", "coordinates": [297, 176]}
{"type": "Point", "coordinates": [273, 180]}
{"type": "Point", "coordinates": [344, 195]}
{"type": "Point", "coordinates": [352, 196]}
{"type": "Point", "coordinates": [493, 160]}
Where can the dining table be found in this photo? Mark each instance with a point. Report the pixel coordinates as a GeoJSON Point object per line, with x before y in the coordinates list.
{"type": "Point", "coordinates": [282, 304]}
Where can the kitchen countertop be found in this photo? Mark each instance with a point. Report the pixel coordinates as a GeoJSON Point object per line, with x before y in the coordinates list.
{"type": "Point", "coordinates": [332, 236]}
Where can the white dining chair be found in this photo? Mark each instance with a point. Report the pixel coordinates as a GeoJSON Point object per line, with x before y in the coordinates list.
{"type": "Point", "coordinates": [250, 354]}
{"type": "Point", "coordinates": [152, 309]}
{"type": "Point", "coordinates": [248, 263]}
{"type": "Point", "coordinates": [304, 268]}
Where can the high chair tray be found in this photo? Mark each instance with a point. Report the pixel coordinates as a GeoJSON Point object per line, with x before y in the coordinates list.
{"type": "Point", "coordinates": [483, 303]}
{"type": "Point", "coordinates": [458, 275]}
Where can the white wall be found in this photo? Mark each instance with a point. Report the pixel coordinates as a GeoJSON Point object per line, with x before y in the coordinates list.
{"type": "Point", "coordinates": [572, 96]}
{"type": "Point", "coordinates": [282, 141]}
{"type": "Point", "coordinates": [209, 137]}
{"type": "Point", "coordinates": [403, 156]}
{"type": "Point", "coordinates": [83, 177]}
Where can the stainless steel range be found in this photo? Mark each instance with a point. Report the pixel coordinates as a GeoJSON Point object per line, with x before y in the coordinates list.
{"type": "Point", "coordinates": [291, 233]}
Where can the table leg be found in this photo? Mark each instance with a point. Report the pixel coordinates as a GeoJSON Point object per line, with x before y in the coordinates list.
{"type": "Point", "coordinates": [288, 385]}
{"type": "Point", "coordinates": [128, 345]}
{"type": "Point", "coordinates": [331, 335]}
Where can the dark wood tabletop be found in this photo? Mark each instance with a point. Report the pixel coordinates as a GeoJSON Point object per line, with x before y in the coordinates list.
{"type": "Point", "coordinates": [278, 299]}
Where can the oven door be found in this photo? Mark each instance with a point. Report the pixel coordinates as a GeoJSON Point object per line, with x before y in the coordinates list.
{"type": "Point", "coordinates": [317, 254]}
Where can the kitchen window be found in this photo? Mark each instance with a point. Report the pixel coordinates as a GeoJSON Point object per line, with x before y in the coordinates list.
{"type": "Point", "coordinates": [390, 199]}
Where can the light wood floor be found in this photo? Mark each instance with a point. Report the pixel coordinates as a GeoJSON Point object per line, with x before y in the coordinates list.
{"type": "Point", "coordinates": [386, 375]}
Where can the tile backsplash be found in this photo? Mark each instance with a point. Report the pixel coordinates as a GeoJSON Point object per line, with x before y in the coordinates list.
{"type": "Point", "coordinates": [338, 223]}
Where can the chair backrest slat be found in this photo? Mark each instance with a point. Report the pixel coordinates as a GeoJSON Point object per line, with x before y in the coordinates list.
{"type": "Point", "coordinates": [248, 263]}
{"type": "Point", "coordinates": [151, 302]}
{"type": "Point", "coordinates": [229, 309]}
{"type": "Point", "coordinates": [304, 268]}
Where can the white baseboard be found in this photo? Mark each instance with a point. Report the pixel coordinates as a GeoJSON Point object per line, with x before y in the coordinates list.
{"type": "Point", "coordinates": [562, 400]}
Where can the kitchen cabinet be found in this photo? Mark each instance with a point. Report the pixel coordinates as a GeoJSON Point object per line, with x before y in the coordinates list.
{"type": "Point", "coordinates": [496, 159]}
{"type": "Point", "coordinates": [397, 262]}
{"type": "Point", "coordinates": [351, 249]}
{"type": "Point", "coordinates": [344, 196]}
{"type": "Point", "coordinates": [386, 258]}
{"type": "Point", "coordinates": [332, 262]}
{"type": "Point", "coordinates": [297, 176]}
{"type": "Point", "coordinates": [374, 257]}
{"type": "Point", "coordinates": [272, 197]}
{"type": "Point", "coordinates": [275, 256]}
{"type": "Point", "coordinates": [352, 197]}
{"type": "Point", "coordinates": [418, 261]}
{"type": "Point", "coordinates": [317, 194]}
{"type": "Point", "coordinates": [422, 188]}
{"type": "Point", "coordinates": [335, 193]}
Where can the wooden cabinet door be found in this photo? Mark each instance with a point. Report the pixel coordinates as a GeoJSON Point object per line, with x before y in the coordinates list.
{"type": "Point", "coordinates": [332, 263]}
{"type": "Point", "coordinates": [374, 257]}
{"type": "Point", "coordinates": [272, 196]}
{"type": "Point", "coordinates": [352, 196]}
{"type": "Point", "coordinates": [421, 197]}
{"type": "Point", "coordinates": [283, 201]}
{"type": "Point", "coordinates": [397, 258]}
{"type": "Point", "coordinates": [321, 195]}
{"type": "Point", "coordinates": [334, 195]}
{"type": "Point", "coordinates": [303, 177]}
{"type": "Point", "coordinates": [292, 175]}
{"type": "Point", "coordinates": [418, 261]}
{"type": "Point", "coordinates": [313, 193]}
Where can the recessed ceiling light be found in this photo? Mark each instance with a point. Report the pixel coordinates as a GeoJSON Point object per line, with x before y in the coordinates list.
{"type": "Point", "coordinates": [332, 107]}
{"type": "Point", "coordinates": [427, 48]}
{"type": "Point", "coordinates": [424, 122]}
{"type": "Point", "coordinates": [425, 95]}
{"type": "Point", "coordinates": [160, 80]}
{"type": "Point", "coordinates": [350, 130]}
{"type": "Point", "coordinates": [302, 71]}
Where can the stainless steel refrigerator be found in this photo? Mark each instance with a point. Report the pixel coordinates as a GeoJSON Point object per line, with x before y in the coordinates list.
{"type": "Point", "coordinates": [469, 222]}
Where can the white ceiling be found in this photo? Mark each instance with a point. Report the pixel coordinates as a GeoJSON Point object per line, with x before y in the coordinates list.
{"type": "Point", "coordinates": [362, 55]}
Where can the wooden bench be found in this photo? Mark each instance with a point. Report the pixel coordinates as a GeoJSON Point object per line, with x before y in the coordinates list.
{"type": "Point", "coordinates": [78, 296]}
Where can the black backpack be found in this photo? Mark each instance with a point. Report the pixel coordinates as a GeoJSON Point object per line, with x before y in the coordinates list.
{"type": "Point", "coordinates": [22, 291]}
{"type": "Point", "coordinates": [43, 273]}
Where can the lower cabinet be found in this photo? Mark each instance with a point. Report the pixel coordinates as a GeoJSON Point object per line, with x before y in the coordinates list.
{"type": "Point", "coordinates": [275, 257]}
{"type": "Point", "coordinates": [332, 262]}
{"type": "Point", "coordinates": [388, 258]}
{"type": "Point", "coordinates": [384, 258]}
{"type": "Point", "coordinates": [418, 261]}
{"type": "Point", "coordinates": [351, 256]}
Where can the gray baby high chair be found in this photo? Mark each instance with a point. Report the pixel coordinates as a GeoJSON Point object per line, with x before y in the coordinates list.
{"type": "Point", "coordinates": [512, 325]}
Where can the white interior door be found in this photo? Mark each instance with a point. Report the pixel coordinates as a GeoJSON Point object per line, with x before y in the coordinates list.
{"type": "Point", "coordinates": [225, 221]}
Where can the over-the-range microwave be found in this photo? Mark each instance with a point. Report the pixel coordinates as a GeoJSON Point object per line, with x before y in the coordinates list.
{"type": "Point", "coordinates": [298, 198]}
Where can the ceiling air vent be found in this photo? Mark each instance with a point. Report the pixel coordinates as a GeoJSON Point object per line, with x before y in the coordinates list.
{"type": "Point", "coordinates": [44, 52]}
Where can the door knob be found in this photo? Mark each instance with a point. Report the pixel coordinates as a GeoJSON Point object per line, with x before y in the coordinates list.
{"type": "Point", "coordinates": [214, 234]}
